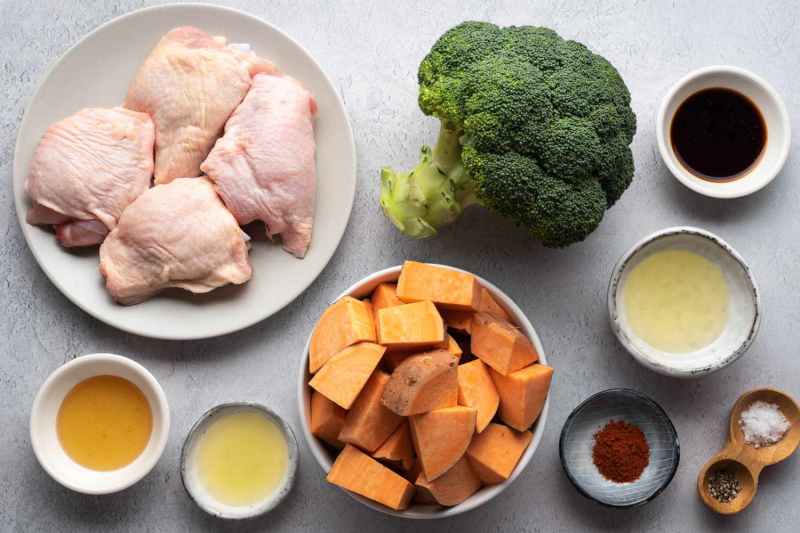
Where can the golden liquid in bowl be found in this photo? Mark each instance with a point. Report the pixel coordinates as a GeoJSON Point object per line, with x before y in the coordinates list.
{"type": "Point", "coordinates": [104, 423]}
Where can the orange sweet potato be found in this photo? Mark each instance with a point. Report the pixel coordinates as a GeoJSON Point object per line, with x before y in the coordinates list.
{"type": "Point", "coordinates": [495, 452]}
{"type": "Point", "coordinates": [489, 305]}
{"type": "Point", "coordinates": [522, 394]}
{"type": "Point", "coordinates": [385, 295]}
{"type": "Point", "coordinates": [422, 383]}
{"type": "Point", "coordinates": [459, 321]}
{"type": "Point", "coordinates": [370, 308]}
{"type": "Point", "coordinates": [343, 324]}
{"type": "Point", "coordinates": [412, 475]}
{"type": "Point", "coordinates": [345, 374]}
{"type": "Point", "coordinates": [409, 327]}
{"type": "Point", "coordinates": [448, 289]}
{"type": "Point", "coordinates": [360, 473]}
{"type": "Point", "coordinates": [500, 345]}
{"type": "Point", "coordinates": [369, 423]}
{"type": "Point", "coordinates": [453, 347]}
{"type": "Point", "coordinates": [327, 419]}
{"type": "Point", "coordinates": [441, 437]}
{"type": "Point", "coordinates": [397, 451]}
{"type": "Point", "coordinates": [476, 389]}
{"type": "Point", "coordinates": [453, 487]}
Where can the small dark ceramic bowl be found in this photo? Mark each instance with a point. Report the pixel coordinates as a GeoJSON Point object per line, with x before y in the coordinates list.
{"type": "Point", "coordinates": [577, 438]}
{"type": "Point", "coordinates": [195, 490]}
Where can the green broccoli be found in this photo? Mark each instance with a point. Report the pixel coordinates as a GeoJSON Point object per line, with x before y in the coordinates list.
{"type": "Point", "coordinates": [534, 128]}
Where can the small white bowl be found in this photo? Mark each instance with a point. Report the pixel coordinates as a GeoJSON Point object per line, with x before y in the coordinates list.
{"type": "Point", "coordinates": [44, 437]}
{"type": "Point", "coordinates": [745, 308]}
{"type": "Point", "coordinates": [195, 489]}
{"type": "Point", "coordinates": [324, 453]}
{"type": "Point", "coordinates": [761, 93]}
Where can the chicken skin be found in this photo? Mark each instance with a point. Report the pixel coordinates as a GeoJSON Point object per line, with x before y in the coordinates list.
{"type": "Point", "coordinates": [87, 169]}
{"type": "Point", "coordinates": [263, 166]}
{"type": "Point", "coordinates": [174, 235]}
{"type": "Point", "coordinates": [190, 84]}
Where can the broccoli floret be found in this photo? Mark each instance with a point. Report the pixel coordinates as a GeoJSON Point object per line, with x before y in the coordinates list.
{"type": "Point", "coordinates": [534, 128]}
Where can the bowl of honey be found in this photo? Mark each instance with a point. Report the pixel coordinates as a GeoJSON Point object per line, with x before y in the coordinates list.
{"type": "Point", "coordinates": [99, 423]}
{"type": "Point", "coordinates": [723, 131]}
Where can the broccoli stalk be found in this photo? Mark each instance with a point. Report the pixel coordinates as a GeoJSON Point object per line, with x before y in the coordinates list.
{"type": "Point", "coordinates": [434, 193]}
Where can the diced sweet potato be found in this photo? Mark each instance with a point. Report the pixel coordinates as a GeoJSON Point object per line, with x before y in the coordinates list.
{"type": "Point", "coordinates": [489, 305]}
{"type": "Point", "coordinates": [476, 389]}
{"type": "Point", "coordinates": [409, 327]}
{"type": "Point", "coordinates": [422, 383]}
{"type": "Point", "coordinates": [343, 324]}
{"type": "Point", "coordinates": [370, 309]}
{"type": "Point", "coordinates": [345, 374]}
{"type": "Point", "coordinates": [412, 475]}
{"type": "Point", "coordinates": [369, 423]}
{"type": "Point", "coordinates": [459, 321]}
{"type": "Point", "coordinates": [327, 419]}
{"type": "Point", "coordinates": [495, 452]}
{"type": "Point", "coordinates": [360, 473]}
{"type": "Point", "coordinates": [500, 345]}
{"type": "Point", "coordinates": [522, 394]}
{"type": "Point", "coordinates": [393, 359]}
{"type": "Point", "coordinates": [453, 347]}
{"type": "Point", "coordinates": [385, 295]}
{"type": "Point", "coordinates": [448, 289]}
{"type": "Point", "coordinates": [397, 451]}
{"type": "Point", "coordinates": [454, 486]}
{"type": "Point", "coordinates": [441, 437]}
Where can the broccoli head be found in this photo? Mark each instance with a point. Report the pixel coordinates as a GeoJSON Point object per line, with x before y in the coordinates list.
{"type": "Point", "coordinates": [534, 128]}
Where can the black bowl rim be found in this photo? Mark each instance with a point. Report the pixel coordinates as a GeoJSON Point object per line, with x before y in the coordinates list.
{"type": "Point", "coordinates": [563, 438]}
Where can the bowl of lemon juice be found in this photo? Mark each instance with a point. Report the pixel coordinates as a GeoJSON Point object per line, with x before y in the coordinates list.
{"type": "Point", "coordinates": [683, 302]}
{"type": "Point", "coordinates": [239, 461]}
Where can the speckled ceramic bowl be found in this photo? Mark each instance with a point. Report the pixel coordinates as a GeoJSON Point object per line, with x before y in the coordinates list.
{"type": "Point", "coordinates": [189, 477]}
{"type": "Point", "coordinates": [577, 438]}
{"type": "Point", "coordinates": [745, 305]}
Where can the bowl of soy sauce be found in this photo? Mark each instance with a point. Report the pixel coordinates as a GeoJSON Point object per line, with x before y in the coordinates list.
{"type": "Point", "coordinates": [723, 132]}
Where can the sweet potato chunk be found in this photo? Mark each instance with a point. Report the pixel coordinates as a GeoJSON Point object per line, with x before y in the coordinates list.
{"type": "Point", "coordinates": [343, 324]}
{"type": "Point", "coordinates": [500, 345]}
{"type": "Point", "coordinates": [522, 394]}
{"type": "Point", "coordinates": [369, 423]}
{"type": "Point", "coordinates": [385, 295]}
{"type": "Point", "coordinates": [489, 305]}
{"type": "Point", "coordinates": [422, 383]}
{"type": "Point", "coordinates": [409, 327]}
{"type": "Point", "coordinates": [476, 389]}
{"type": "Point", "coordinates": [412, 475]}
{"type": "Point", "coordinates": [397, 451]}
{"type": "Point", "coordinates": [452, 487]}
{"type": "Point", "coordinates": [453, 347]}
{"type": "Point", "coordinates": [345, 374]}
{"type": "Point", "coordinates": [459, 321]}
{"type": "Point", "coordinates": [441, 437]}
{"type": "Point", "coordinates": [360, 473]}
{"type": "Point", "coordinates": [448, 289]}
{"type": "Point", "coordinates": [327, 419]}
{"type": "Point", "coordinates": [495, 452]}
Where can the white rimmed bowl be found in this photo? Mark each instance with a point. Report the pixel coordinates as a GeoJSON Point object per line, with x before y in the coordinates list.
{"type": "Point", "coordinates": [45, 410]}
{"type": "Point", "coordinates": [325, 455]}
{"type": "Point", "coordinates": [761, 93]}
{"type": "Point", "coordinates": [745, 307]}
{"type": "Point", "coordinates": [195, 489]}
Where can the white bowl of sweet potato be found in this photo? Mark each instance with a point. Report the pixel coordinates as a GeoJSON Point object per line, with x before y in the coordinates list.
{"type": "Point", "coordinates": [423, 391]}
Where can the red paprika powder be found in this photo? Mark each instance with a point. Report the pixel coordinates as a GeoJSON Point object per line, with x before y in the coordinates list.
{"type": "Point", "coordinates": [620, 452]}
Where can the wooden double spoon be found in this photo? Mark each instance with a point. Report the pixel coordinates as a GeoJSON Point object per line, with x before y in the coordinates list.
{"type": "Point", "coordinates": [744, 460]}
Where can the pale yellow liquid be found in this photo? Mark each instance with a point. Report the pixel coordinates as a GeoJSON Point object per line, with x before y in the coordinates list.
{"type": "Point", "coordinates": [677, 301]}
{"type": "Point", "coordinates": [241, 459]}
{"type": "Point", "coordinates": [104, 423]}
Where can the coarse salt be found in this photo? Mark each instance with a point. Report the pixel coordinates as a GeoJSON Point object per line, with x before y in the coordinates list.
{"type": "Point", "coordinates": [763, 424]}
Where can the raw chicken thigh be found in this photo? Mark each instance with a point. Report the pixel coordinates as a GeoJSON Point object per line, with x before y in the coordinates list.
{"type": "Point", "coordinates": [190, 84]}
{"type": "Point", "coordinates": [175, 235]}
{"type": "Point", "coordinates": [263, 167]}
{"type": "Point", "coordinates": [87, 169]}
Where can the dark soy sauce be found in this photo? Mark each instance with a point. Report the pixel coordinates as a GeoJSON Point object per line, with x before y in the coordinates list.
{"type": "Point", "coordinates": [718, 134]}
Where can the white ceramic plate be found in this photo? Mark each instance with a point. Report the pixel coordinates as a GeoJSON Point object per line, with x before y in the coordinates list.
{"type": "Point", "coordinates": [325, 456]}
{"type": "Point", "coordinates": [97, 71]}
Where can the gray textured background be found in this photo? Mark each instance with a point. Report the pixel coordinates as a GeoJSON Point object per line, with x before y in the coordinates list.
{"type": "Point", "coordinates": [371, 50]}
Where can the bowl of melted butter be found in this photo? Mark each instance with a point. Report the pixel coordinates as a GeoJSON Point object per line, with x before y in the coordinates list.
{"type": "Point", "coordinates": [683, 302]}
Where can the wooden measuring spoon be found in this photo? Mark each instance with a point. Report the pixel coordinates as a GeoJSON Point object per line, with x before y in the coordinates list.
{"type": "Point", "coordinates": [744, 460]}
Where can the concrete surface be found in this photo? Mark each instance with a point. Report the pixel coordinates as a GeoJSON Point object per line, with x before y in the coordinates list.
{"type": "Point", "coordinates": [372, 49]}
